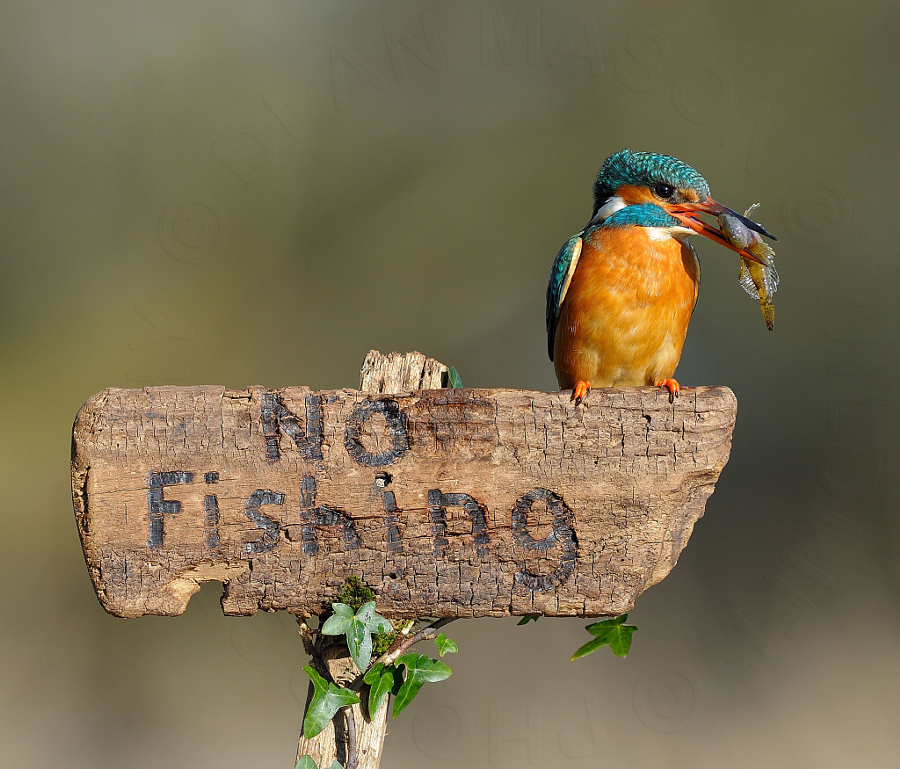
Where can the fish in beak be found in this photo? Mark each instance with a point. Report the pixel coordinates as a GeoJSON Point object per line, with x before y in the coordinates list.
{"type": "Point", "coordinates": [735, 230]}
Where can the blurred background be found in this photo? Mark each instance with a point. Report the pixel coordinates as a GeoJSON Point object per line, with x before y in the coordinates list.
{"type": "Point", "coordinates": [259, 193]}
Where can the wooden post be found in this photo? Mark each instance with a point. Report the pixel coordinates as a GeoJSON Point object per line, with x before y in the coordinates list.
{"type": "Point", "coordinates": [351, 738]}
{"type": "Point", "coordinates": [447, 503]}
{"type": "Point", "coordinates": [394, 373]}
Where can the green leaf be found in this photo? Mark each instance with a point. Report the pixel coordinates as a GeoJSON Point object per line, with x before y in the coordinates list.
{"type": "Point", "coordinates": [380, 681]}
{"type": "Point", "coordinates": [358, 628]}
{"type": "Point", "coordinates": [365, 622]}
{"type": "Point", "coordinates": [611, 632]}
{"type": "Point", "coordinates": [339, 622]}
{"type": "Point", "coordinates": [307, 762]}
{"type": "Point", "coordinates": [445, 645]}
{"type": "Point", "coordinates": [398, 680]}
{"type": "Point", "coordinates": [328, 699]}
{"type": "Point", "coordinates": [419, 671]}
{"type": "Point", "coordinates": [453, 379]}
{"type": "Point", "coordinates": [529, 618]}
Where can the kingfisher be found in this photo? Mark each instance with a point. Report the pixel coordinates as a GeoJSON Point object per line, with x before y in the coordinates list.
{"type": "Point", "coordinates": [622, 291]}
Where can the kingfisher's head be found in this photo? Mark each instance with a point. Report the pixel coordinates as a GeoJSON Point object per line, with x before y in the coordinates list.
{"type": "Point", "coordinates": [652, 190]}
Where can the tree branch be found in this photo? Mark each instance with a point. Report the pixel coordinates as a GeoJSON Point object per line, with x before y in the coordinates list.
{"type": "Point", "coordinates": [352, 759]}
{"type": "Point", "coordinates": [308, 635]}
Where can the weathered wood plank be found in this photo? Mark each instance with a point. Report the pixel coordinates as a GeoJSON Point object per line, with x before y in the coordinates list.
{"type": "Point", "coordinates": [446, 502]}
{"type": "Point", "coordinates": [401, 372]}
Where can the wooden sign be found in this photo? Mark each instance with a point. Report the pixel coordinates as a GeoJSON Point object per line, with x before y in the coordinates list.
{"type": "Point", "coordinates": [445, 502]}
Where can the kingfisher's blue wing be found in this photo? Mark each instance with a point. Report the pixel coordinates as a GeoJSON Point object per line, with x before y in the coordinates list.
{"type": "Point", "coordinates": [560, 277]}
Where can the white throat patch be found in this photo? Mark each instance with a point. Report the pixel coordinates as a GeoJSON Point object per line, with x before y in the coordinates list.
{"type": "Point", "coordinates": [613, 204]}
{"type": "Point", "coordinates": [662, 233]}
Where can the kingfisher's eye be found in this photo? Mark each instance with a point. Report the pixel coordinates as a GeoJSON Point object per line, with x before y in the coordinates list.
{"type": "Point", "coordinates": [663, 190]}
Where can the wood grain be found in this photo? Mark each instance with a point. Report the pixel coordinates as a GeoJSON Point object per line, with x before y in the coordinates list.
{"type": "Point", "coordinates": [401, 372]}
{"type": "Point", "coordinates": [446, 502]}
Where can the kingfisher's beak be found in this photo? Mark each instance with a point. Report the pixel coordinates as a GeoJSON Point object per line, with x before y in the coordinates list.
{"type": "Point", "coordinates": [689, 215]}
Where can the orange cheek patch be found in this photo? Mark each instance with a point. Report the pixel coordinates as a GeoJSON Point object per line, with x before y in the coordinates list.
{"type": "Point", "coordinates": [632, 195]}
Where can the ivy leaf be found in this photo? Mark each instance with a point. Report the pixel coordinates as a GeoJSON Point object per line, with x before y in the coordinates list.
{"type": "Point", "coordinates": [419, 671]}
{"type": "Point", "coordinates": [529, 618]}
{"type": "Point", "coordinates": [328, 699]}
{"type": "Point", "coordinates": [398, 680]}
{"type": "Point", "coordinates": [610, 632]}
{"type": "Point", "coordinates": [380, 681]}
{"type": "Point", "coordinates": [340, 621]}
{"type": "Point", "coordinates": [307, 762]}
{"type": "Point", "coordinates": [358, 628]}
{"type": "Point", "coordinates": [453, 379]}
{"type": "Point", "coordinates": [365, 622]}
{"type": "Point", "coordinates": [445, 645]}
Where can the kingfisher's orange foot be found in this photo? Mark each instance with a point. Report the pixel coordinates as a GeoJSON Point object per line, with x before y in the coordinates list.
{"type": "Point", "coordinates": [672, 386]}
{"type": "Point", "coordinates": [579, 391]}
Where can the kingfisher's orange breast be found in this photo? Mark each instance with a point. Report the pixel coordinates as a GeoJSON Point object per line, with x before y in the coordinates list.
{"type": "Point", "coordinates": [625, 315]}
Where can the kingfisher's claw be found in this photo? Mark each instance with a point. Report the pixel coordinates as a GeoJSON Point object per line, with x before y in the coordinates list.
{"type": "Point", "coordinates": [579, 391]}
{"type": "Point", "coordinates": [672, 386]}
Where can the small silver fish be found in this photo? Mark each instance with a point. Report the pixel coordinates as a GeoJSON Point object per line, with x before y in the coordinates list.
{"type": "Point", "coordinates": [758, 280]}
